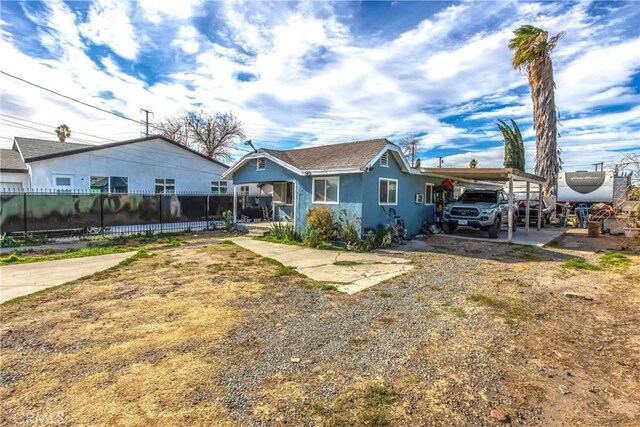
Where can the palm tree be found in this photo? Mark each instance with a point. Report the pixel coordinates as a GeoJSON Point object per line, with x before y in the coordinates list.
{"type": "Point", "coordinates": [514, 154]}
{"type": "Point", "coordinates": [532, 54]}
{"type": "Point", "coordinates": [63, 132]}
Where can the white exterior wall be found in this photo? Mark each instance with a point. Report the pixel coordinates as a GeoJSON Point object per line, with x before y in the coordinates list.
{"type": "Point", "coordinates": [14, 180]}
{"type": "Point", "coordinates": [140, 162]}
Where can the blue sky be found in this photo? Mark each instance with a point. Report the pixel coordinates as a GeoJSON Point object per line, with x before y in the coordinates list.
{"type": "Point", "coordinates": [310, 73]}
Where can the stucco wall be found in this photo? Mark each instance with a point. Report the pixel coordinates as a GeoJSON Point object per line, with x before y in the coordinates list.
{"type": "Point", "coordinates": [140, 162]}
{"type": "Point", "coordinates": [358, 194]}
{"type": "Point", "coordinates": [12, 180]}
{"type": "Point", "coordinates": [408, 185]}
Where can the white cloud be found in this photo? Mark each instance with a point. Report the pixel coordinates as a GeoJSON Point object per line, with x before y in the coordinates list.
{"type": "Point", "coordinates": [187, 39]}
{"type": "Point", "coordinates": [157, 10]}
{"type": "Point", "coordinates": [109, 24]}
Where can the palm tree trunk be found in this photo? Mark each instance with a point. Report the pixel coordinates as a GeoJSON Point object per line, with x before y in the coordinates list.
{"type": "Point", "coordinates": [544, 120]}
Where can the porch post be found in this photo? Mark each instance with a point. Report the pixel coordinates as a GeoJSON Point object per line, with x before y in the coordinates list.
{"type": "Point", "coordinates": [526, 215]}
{"type": "Point", "coordinates": [235, 204]}
{"type": "Point", "coordinates": [510, 215]}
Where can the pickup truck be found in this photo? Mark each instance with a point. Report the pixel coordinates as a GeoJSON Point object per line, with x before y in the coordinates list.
{"type": "Point", "coordinates": [479, 209]}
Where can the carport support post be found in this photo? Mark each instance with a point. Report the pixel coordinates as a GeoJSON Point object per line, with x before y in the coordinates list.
{"type": "Point", "coordinates": [510, 214]}
{"type": "Point", "coordinates": [539, 205]}
{"type": "Point", "coordinates": [526, 215]}
{"type": "Point", "coordinates": [235, 204]}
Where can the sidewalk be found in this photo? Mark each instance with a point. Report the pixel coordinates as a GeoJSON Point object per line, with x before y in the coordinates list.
{"type": "Point", "coordinates": [367, 270]}
{"type": "Point", "coordinates": [24, 279]}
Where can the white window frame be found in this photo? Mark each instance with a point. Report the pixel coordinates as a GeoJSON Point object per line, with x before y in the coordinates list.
{"type": "Point", "coordinates": [284, 193]}
{"type": "Point", "coordinates": [63, 187]}
{"type": "Point", "coordinates": [397, 192]}
{"type": "Point", "coordinates": [324, 202]}
{"type": "Point", "coordinates": [244, 190]}
{"type": "Point", "coordinates": [262, 160]}
{"type": "Point", "coordinates": [384, 159]}
{"type": "Point", "coordinates": [220, 184]}
{"type": "Point", "coordinates": [164, 185]}
{"type": "Point", "coordinates": [428, 189]}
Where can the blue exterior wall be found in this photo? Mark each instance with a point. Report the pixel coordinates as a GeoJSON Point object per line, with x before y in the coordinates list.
{"type": "Point", "coordinates": [273, 172]}
{"type": "Point", "coordinates": [408, 185]}
{"type": "Point", "coordinates": [358, 194]}
{"type": "Point", "coordinates": [349, 197]}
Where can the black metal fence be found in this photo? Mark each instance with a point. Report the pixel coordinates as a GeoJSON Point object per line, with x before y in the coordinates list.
{"type": "Point", "coordinates": [64, 214]}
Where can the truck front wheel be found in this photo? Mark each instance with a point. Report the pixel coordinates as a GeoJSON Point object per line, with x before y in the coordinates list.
{"type": "Point", "coordinates": [494, 229]}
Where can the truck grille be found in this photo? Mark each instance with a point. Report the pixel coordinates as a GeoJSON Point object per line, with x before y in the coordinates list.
{"type": "Point", "coordinates": [464, 212]}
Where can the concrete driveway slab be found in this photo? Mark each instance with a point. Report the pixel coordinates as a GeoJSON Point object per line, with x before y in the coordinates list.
{"type": "Point", "coordinates": [24, 279]}
{"type": "Point", "coordinates": [360, 271]}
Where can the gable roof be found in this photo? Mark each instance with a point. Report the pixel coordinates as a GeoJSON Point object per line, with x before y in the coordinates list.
{"type": "Point", "coordinates": [39, 149]}
{"type": "Point", "coordinates": [31, 148]}
{"type": "Point", "coordinates": [348, 155]}
{"type": "Point", "coordinates": [11, 161]}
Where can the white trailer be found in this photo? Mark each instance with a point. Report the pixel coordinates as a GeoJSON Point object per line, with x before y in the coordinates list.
{"type": "Point", "coordinates": [591, 187]}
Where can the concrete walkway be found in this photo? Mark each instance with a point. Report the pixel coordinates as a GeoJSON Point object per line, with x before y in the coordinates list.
{"type": "Point", "coordinates": [368, 269]}
{"type": "Point", "coordinates": [24, 279]}
{"type": "Point", "coordinates": [534, 238]}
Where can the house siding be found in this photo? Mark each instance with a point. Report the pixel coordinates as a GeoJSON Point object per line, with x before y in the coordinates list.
{"type": "Point", "coordinates": [141, 163]}
{"type": "Point", "coordinates": [358, 194]}
{"type": "Point", "coordinates": [408, 185]}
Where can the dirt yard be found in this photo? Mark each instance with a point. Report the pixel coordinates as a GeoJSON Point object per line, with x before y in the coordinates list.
{"type": "Point", "coordinates": [477, 334]}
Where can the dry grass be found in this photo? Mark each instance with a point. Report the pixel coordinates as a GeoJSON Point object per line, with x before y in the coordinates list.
{"type": "Point", "coordinates": [129, 346]}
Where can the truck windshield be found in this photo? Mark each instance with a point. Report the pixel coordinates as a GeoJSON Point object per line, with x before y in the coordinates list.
{"type": "Point", "coordinates": [478, 197]}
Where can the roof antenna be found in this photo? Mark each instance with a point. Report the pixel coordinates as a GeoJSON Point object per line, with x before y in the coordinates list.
{"type": "Point", "coordinates": [249, 143]}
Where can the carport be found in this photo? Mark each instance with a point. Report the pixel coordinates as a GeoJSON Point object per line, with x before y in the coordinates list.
{"type": "Point", "coordinates": [485, 175]}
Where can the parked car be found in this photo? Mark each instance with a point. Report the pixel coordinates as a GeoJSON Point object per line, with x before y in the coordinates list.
{"type": "Point", "coordinates": [533, 212]}
{"type": "Point", "coordinates": [479, 209]}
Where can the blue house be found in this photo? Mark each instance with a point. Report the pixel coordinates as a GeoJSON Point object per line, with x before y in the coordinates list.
{"type": "Point", "coordinates": [366, 178]}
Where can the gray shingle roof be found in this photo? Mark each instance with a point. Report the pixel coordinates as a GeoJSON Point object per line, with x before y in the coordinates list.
{"type": "Point", "coordinates": [349, 155]}
{"type": "Point", "coordinates": [10, 160]}
{"type": "Point", "coordinates": [31, 148]}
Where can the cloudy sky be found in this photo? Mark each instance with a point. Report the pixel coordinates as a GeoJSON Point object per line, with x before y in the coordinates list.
{"type": "Point", "coordinates": [308, 73]}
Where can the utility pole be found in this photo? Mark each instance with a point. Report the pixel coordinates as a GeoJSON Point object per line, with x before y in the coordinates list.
{"type": "Point", "coordinates": [439, 161]}
{"type": "Point", "coordinates": [146, 121]}
{"type": "Point", "coordinates": [601, 164]}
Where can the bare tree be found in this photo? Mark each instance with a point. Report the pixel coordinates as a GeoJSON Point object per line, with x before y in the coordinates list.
{"type": "Point", "coordinates": [214, 135]}
{"type": "Point", "coordinates": [409, 147]}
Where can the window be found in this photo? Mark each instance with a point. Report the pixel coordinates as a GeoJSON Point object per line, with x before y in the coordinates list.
{"type": "Point", "coordinates": [262, 164]}
{"type": "Point", "coordinates": [388, 194]}
{"type": "Point", "coordinates": [219, 187]}
{"type": "Point", "coordinates": [384, 160]}
{"type": "Point", "coordinates": [326, 190]}
{"type": "Point", "coordinates": [99, 184]}
{"type": "Point", "coordinates": [244, 190]}
{"type": "Point", "coordinates": [428, 194]}
{"type": "Point", "coordinates": [109, 184]}
{"type": "Point", "coordinates": [165, 185]}
{"type": "Point", "coordinates": [118, 184]}
{"type": "Point", "coordinates": [283, 193]}
{"type": "Point", "coordinates": [63, 182]}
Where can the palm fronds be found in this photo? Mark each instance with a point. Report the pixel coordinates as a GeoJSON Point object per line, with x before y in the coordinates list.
{"type": "Point", "coordinates": [514, 154]}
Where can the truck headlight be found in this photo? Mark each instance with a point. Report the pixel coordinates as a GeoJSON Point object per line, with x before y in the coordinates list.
{"type": "Point", "coordinates": [487, 211]}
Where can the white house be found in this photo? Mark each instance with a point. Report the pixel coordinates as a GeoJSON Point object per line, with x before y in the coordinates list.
{"type": "Point", "coordinates": [151, 164]}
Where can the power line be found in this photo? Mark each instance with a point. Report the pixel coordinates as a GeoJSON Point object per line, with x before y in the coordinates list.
{"type": "Point", "coordinates": [69, 97]}
{"type": "Point", "coordinates": [44, 124]}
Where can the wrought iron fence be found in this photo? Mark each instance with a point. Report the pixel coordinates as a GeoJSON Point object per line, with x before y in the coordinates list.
{"type": "Point", "coordinates": [85, 213]}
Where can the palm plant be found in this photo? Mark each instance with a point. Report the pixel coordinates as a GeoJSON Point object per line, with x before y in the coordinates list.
{"type": "Point", "coordinates": [532, 54]}
{"type": "Point", "coordinates": [63, 132]}
{"type": "Point", "coordinates": [514, 154]}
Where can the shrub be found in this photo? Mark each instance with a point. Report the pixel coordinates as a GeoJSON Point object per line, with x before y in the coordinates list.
{"type": "Point", "coordinates": [349, 228]}
{"type": "Point", "coordinates": [284, 232]}
{"type": "Point", "coordinates": [321, 219]}
{"type": "Point", "coordinates": [9, 242]}
{"type": "Point", "coordinates": [312, 237]}
{"type": "Point", "coordinates": [228, 220]}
